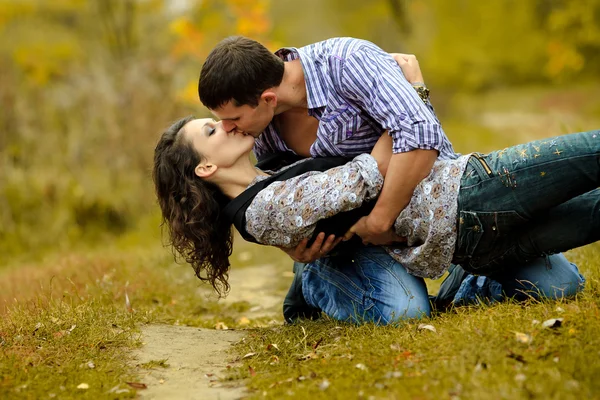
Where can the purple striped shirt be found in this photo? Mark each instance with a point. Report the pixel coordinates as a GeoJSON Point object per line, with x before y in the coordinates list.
{"type": "Point", "coordinates": [357, 91]}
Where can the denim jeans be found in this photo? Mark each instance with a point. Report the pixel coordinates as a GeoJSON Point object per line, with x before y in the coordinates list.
{"type": "Point", "coordinates": [373, 287]}
{"type": "Point", "coordinates": [368, 286]}
{"type": "Point", "coordinates": [550, 277]}
{"type": "Point", "coordinates": [529, 201]}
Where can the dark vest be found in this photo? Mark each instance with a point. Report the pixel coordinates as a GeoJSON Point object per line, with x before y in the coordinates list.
{"type": "Point", "coordinates": [235, 211]}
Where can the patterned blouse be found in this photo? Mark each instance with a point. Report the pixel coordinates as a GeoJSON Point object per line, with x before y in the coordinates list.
{"type": "Point", "coordinates": [285, 212]}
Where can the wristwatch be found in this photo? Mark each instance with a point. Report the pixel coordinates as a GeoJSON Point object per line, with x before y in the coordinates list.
{"type": "Point", "coordinates": [423, 92]}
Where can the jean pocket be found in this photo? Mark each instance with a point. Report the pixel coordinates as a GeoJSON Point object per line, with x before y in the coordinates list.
{"type": "Point", "coordinates": [484, 231]}
{"type": "Point", "coordinates": [470, 231]}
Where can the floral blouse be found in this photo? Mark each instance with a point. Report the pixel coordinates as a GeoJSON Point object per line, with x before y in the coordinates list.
{"type": "Point", "coordinates": [285, 212]}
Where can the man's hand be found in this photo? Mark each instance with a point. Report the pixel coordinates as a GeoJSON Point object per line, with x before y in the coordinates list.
{"type": "Point", "coordinates": [373, 233]}
{"type": "Point", "coordinates": [318, 249]}
{"type": "Point", "coordinates": [410, 67]}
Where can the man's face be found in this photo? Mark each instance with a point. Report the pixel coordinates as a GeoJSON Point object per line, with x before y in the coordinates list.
{"type": "Point", "coordinates": [247, 119]}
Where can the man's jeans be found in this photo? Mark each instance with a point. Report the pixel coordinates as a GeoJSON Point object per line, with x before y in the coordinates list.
{"type": "Point", "coordinates": [550, 277]}
{"type": "Point", "coordinates": [369, 286]}
{"type": "Point", "coordinates": [528, 201]}
{"type": "Point", "coordinates": [373, 287]}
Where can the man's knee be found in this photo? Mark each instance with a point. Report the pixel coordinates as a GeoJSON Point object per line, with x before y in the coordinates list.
{"type": "Point", "coordinates": [551, 277]}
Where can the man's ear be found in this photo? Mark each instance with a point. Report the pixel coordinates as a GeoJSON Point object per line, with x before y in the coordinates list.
{"type": "Point", "coordinates": [205, 170]}
{"type": "Point", "coordinates": [270, 97]}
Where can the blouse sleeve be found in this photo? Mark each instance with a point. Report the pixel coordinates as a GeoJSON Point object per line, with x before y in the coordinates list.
{"type": "Point", "coordinates": [285, 212]}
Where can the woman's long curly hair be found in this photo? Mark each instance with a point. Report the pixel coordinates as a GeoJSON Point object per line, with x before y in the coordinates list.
{"type": "Point", "coordinates": [191, 208]}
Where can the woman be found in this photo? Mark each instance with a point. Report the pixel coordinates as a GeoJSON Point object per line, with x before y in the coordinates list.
{"type": "Point", "coordinates": [481, 211]}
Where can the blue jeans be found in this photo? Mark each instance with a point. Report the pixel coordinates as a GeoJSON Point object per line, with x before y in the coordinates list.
{"type": "Point", "coordinates": [369, 286]}
{"type": "Point", "coordinates": [528, 201]}
{"type": "Point", "coordinates": [373, 287]}
{"type": "Point", "coordinates": [551, 277]}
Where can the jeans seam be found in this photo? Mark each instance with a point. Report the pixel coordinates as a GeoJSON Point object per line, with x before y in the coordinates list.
{"type": "Point", "coordinates": [342, 288]}
{"type": "Point", "coordinates": [387, 267]}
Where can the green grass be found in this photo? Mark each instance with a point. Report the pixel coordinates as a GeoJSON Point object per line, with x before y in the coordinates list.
{"type": "Point", "coordinates": [473, 354]}
{"type": "Point", "coordinates": [64, 320]}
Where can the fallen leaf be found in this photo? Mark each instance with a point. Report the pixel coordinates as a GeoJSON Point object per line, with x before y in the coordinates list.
{"type": "Point", "coordinates": [517, 357]}
{"type": "Point", "coordinates": [309, 356]}
{"type": "Point", "coordinates": [360, 366]}
{"type": "Point", "coordinates": [248, 355]}
{"type": "Point", "coordinates": [128, 304]}
{"type": "Point", "coordinates": [428, 327]}
{"type": "Point", "coordinates": [272, 346]}
{"type": "Point", "coordinates": [393, 374]}
{"type": "Point", "coordinates": [221, 326]}
{"type": "Point", "coordinates": [317, 344]}
{"type": "Point", "coordinates": [91, 365]}
{"type": "Point", "coordinates": [137, 385]}
{"type": "Point", "coordinates": [274, 360]}
{"type": "Point", "coordinates": [83, 386]}
{"type": "Point", "coordinates": [37, 326]}
{"type": "Point", "coordinates": [523, 337]}
{"type": "Point", "coordinates": [324, 385]}
{"type": "Point", "coordinates": [559, 309]}
{"type": "Point", "coordinates": [520, 377]}
{"type": "Point", "coordinates": [553, 323]}
{"type": "Point", "coordinates": [251, 370]}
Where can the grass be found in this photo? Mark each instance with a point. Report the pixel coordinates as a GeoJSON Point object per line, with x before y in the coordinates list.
{"type": "Point", "coordinates": [65, 321]}
{"type": "Point", "coordinates": [66, 328]}
{"type": "Point", "coordinates": [474, 353]}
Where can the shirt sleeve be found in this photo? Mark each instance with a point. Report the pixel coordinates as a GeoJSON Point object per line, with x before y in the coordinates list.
{"type": "Point", "coordinates": [371, 79]}
{"type": "Point", "coordinates": [285, 212]}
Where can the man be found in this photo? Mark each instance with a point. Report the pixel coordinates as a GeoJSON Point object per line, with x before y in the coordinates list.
{"type": "Point", "coordinates": [335, 97]}
{"type": "Point", "coordinates": [354, 89]}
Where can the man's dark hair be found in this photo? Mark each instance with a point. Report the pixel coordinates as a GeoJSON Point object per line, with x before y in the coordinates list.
{"type": "Point", "coordinates": [238, 69]}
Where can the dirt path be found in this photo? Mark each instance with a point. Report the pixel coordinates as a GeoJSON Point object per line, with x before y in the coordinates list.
{"type": "Point", "coordinates": [197, 357]}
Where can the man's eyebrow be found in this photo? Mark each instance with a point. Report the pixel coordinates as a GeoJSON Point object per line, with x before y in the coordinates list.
{"type": "Point", "coordinates": [230, 119]}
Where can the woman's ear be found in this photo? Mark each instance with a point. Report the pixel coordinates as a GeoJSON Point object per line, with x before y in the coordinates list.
{"type": "Point", "coordinates": [205, 170]}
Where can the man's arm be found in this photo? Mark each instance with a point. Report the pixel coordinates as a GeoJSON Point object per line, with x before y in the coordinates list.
{"type": "Point", "coordinates": [370, 81]}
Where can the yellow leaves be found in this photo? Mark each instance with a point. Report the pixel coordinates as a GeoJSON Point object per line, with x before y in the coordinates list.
{"type": "Point", "coordinates": [189, 94]}
{"type": "Point", "coordinates": [562, 58]}
{"type": "Point", "coordinates": [189, 38]}
{"type": "Point", "coordinates": [252, 17]}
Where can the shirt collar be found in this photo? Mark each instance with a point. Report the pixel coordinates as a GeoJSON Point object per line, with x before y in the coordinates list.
{"type": "Point", "coordinates": [315, 93]}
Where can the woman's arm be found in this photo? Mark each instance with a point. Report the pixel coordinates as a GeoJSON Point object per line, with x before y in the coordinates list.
{"type": "Point", "coordinates": [286, 212]}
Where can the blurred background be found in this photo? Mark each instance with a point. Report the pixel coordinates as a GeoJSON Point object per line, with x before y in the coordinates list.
{"type": "Point", "coordinates": [86, 87]}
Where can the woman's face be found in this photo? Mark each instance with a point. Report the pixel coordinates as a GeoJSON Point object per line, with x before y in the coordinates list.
{"type": "Point", "coordinates": [219, 147]}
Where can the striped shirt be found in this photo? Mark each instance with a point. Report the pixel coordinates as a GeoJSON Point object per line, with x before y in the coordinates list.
{"type": "Point", "coordinates": [357, 91]}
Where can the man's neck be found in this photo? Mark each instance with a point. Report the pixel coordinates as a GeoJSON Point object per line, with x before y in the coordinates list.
{"type": "Point", "coordinates": [291, 93]}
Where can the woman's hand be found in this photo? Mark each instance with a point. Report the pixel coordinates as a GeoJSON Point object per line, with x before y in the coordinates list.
{"type": "Point", "coordinates": [410, 67]}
